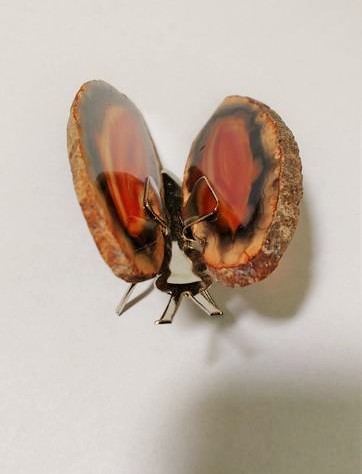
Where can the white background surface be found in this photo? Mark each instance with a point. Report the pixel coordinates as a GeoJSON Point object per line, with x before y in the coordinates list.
{"type": "Point", "coordinates": [273, 388]}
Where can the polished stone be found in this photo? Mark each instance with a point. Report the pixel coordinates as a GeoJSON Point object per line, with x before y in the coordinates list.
{"type": "Point", "coordinates": [119, 155]}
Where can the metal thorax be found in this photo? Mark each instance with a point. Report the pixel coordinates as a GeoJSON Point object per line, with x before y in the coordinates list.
{"type": "Point", "coordinates": [183, 272]}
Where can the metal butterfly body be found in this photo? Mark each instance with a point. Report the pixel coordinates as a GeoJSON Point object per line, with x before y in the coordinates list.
{"type": "Point", "coordinates": [183, 272]}
{"type": "Point", "coordinates": [230, 219]}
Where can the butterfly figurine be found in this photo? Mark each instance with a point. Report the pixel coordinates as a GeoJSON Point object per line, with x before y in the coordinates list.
{"type": "Point", "coordinates": [231, 218]}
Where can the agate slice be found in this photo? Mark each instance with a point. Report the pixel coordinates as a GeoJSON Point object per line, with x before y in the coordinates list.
{"type": "Point", "coordinates": [251, 161]}
{"type": "Point", "coordinates": [112, 155]}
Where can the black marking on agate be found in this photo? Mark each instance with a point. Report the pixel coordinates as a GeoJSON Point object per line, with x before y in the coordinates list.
{"type": "Point", "coordinates": [255, 199]}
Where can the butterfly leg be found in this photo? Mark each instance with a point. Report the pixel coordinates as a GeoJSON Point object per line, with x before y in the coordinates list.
{"type": "Point", "coordinates": [125, 298]}
{"type": "Point", "coordinates": [171, 309]}
{"type": "Point", "coordinates": [206, 303]}
{"type": "Point", "coordinates": [208, 296]}
{"type": "Point", "coordinates": [125, 303]}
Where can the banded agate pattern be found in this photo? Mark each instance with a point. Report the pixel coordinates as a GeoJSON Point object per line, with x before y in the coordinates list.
{"type": "Point", "coordinates": [112, 154]}
{"type": "Point", "coordinates": [252, 163]}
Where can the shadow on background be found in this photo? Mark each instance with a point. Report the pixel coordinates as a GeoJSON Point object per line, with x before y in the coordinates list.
{"type": "Point", "coordinates": [279, 297]}
{"type": "Point", "coordinates": [230, 432]}
{"type": "Point", "coordinates": [281, 294]}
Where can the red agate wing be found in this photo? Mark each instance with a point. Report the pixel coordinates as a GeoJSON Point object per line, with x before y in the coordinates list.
{"type": "Point", "coordinates": [251, 161]}
{"type": "Point", "coordinates": [112, 156]}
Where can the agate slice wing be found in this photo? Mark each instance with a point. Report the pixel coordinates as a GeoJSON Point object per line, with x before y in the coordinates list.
{"type": "Point", "coordinates": [251, 160]}
{"type": "Point", "coordinates": [112, 154]}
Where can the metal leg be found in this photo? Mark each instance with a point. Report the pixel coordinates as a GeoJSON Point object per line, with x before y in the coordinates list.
{"type": "Point", "coordinates": [170, 310]}
{"type": "Point", "coordinates": [203, 300]}
{"type": "Point", "coordinates": [208, 296]}
{"type": "Point", "coordinates": [125, 298]}
{"type": "Point", "coordinates": [206, 303]}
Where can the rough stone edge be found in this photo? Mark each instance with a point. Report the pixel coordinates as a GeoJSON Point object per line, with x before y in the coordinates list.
{"type": "Point", "coordinates": [286, 214]}
{"type": "Point", "coordinates": [95, 213]}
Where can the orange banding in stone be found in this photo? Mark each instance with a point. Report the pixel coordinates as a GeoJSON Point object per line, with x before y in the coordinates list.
{"type": "Point", "coordinates": [126, 167]}
{"type": "Point", "coordinates": [228, 163]}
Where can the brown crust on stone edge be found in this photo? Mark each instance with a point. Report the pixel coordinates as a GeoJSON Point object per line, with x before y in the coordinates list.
{"type": "Point", "coordinates": [96, 214]}
{"type": "Point", "coordinates": [285, 216]}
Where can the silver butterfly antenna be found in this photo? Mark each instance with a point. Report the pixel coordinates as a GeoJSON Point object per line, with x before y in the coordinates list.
{"type": "Point", "coordinates": [183, 273]}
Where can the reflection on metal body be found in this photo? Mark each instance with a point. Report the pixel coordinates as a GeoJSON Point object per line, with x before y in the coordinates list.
{"type": "Point", "coordinates": [183, 272]}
